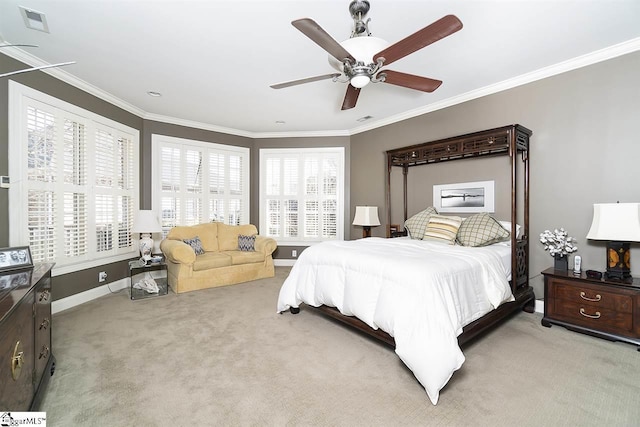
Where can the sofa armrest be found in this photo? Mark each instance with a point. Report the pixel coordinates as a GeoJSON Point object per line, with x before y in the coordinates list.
{"type": "Point", "coordinates": [177, 251]}
{"type": "Point", "coordinates": [265, 245]}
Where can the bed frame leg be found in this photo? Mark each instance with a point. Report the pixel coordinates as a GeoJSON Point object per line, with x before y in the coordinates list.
{"type": "Point", "coordinates": [530, 307]}
{"type": "Point", "coordinates": [294, 310]}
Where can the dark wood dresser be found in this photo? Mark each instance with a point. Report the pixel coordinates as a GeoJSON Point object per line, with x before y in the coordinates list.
{"type": "Point", "coordinates": [26, 361]}
{"type": "Point", "coordinates": [601, 308]}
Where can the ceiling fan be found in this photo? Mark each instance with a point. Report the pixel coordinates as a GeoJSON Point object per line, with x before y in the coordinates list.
{"type": "Point", "coordinates": [26, 70]}
{"type": "Point", "coordinates": [360, 58]}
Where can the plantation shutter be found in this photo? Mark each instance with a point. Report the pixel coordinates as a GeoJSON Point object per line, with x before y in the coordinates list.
{"type": "Point", "coordinates": [201, 182]}
{"type": "Point", "coordinates": [300, 196]}
{"type": "Point", "coordinates": [80, 181]}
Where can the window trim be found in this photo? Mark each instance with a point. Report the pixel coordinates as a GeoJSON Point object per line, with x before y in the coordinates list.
{"type": "Point", "coordinates": [340, 189]}
{"type": "Point", "coordinates": [156, 192]}
{"type": "Point", "coordinates": [18, 95]}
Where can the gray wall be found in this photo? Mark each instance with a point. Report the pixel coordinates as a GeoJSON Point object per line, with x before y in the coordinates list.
{"type": "Point", "coordinates": [584, 150]}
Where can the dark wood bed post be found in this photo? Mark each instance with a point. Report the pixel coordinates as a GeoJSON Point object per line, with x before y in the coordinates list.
{"type": "Point", "coordinates": [405, 172]}
{"type": "Point", "coordinates": [513, 162]}
{"type": "Point", "coordinates": [387, 196]}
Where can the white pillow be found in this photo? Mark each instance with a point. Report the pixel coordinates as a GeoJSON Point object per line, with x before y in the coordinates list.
{"type": "Point", "coordinates": [507, 226]}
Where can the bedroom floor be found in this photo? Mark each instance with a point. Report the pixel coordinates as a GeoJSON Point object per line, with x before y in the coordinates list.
{"type": "Point", "coordinates": [224, 357]}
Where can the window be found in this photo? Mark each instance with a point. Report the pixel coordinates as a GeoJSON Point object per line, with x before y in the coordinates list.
{"type": "Point", "coordinates": [75, 186]}
{"type": "Point", "coordinates": [196, 182]}
{"type": "Point", "coordinates": [301, 194]}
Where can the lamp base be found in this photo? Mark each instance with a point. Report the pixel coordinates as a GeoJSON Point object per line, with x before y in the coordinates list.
{"type": "Point", "coordinates": [366, 231]}
{"type": "Point", "coordinates": [618, 261]}
{"type": "Point", "coordinates": [146, 246]}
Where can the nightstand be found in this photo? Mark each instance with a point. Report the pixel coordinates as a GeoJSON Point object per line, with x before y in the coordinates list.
{"type": "Point", "coordinates": [601, 308]}
{"type": "Point", "coordinates": [139, 271]}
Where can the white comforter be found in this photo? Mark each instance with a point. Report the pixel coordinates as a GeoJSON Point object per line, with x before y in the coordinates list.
{"type": "Point", "coordinates": [422, 293]}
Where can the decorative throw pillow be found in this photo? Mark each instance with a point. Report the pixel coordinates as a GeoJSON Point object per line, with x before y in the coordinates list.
{"type": "Point", "coordinates": [246, 243]}
{"type": "Point", "coordinates": [481, 230]}
{"type": "Point", "coordinates": [507, 226]}
{"type": "Point", "coordinates": [443, 228]}
{"type": "Point", "coordinates": [195, 244]}
{"type": "Point", "coordinates": [417, 224]}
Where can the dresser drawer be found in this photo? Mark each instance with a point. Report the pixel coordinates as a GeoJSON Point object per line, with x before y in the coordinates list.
{"type": "Point", "coordinates": [596, 297]}
{"type": "Point", "coordinates": [593, 317]}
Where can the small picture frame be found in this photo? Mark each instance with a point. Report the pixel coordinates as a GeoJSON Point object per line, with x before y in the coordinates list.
{"type": "Point", "coordinates": [15, 258]}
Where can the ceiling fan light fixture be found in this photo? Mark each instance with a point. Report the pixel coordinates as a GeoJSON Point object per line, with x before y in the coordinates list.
{"type": "Point", "coordinates": [360, 81]}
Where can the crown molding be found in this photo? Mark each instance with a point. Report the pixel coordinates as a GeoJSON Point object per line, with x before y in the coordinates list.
{"type": "Point", "coordinates": [611, 52]}
{"type": "Point", "coordinates": [562, 67]}
{"type": "Point", "coordinates": [61, 74]}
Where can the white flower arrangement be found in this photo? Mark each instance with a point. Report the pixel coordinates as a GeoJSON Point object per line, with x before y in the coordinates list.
{"type": "Point", "coordinates": [557, 242]}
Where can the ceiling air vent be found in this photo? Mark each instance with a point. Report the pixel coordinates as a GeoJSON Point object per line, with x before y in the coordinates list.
{"type": "Point", "coordinates": [34, 19]}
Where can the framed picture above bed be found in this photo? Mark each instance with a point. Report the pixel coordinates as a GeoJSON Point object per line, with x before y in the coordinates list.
{"type": "Point", "coordinates": [464, 197]}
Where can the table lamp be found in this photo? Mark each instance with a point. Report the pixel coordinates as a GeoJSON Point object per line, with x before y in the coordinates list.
{"type": "Point", "coordinates": [366, 216]}
{"type": "Point", "coordinates": [146, 223]}
{"type": "Point", "coordinates": [619, 225]}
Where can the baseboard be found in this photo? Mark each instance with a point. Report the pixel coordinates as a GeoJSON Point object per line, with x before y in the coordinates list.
{"type": "Point", "coordinates": [284, 262]}
{"type": "Point", "coordinates": [540, 306]}
{"type": "Point", "coordinates": [86, 296]}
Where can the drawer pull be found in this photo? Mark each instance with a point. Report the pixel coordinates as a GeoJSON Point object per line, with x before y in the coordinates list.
{"type": "Point", "coordinates": [590, 316]}
{"type": "Point", "coordinates": [44, 295]}
{"type": "Point", "coordinates": [585, 297]}
{"type": "Point", "coordinates": [44, 352]}
{"type": "Point", "coordinates": [17, 360]}
{"type": "Point", "coordinates": [45, 324]}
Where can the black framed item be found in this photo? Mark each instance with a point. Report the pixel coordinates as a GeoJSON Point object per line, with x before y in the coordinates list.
{"type": "Point", "coordinates": [15, 258]}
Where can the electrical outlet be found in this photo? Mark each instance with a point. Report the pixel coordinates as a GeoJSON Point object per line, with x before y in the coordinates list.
{"type": "Point", "coordinates": [294, 253]}
{"type": "Point", "coordinates": [102, 276]}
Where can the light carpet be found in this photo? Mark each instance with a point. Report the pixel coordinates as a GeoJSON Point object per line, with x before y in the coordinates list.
{"type": "Point", "coordinates": [224, 357]}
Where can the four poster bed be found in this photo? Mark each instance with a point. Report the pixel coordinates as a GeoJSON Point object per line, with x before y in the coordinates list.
{"type": "Point", "coordinates": [423, 297]}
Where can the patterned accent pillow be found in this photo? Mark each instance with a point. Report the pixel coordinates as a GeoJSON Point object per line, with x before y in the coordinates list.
{"type": "Point", "coordinates": [195, 244]}
{"type": "Point", "coordinates": [417, 224]}
{"type": "Point", "coordinates": [481, 230]}
{"type": "Point", "coordinates": [246, 243]}
{"type": "Point", "coordinates": [443, 228]}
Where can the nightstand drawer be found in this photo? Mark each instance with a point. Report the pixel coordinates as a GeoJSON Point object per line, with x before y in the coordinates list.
{"type": "Point", "coordinates": [590, 316]}
{"type": "Point", "coordinates": [593, 296]}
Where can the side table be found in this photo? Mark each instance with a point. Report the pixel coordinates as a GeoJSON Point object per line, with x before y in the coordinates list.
{"type": "Point", "coordinates": [598, 307]}
{"type": "Point", "coordinates": [139, 271]}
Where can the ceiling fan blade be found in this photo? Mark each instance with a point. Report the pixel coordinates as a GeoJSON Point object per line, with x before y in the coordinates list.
{"type": "Point", "coordinates": [430, 34]}
{"type": "Point", "coordinates": [42, 67]}
{"type": "Point", "coordinates": [303, 81]}
{"type": "Point", "coordinates": [18, 45]}
{"type": "Point", "coordinates": [410, 81]}
{"type": "Point", "coordinates": [315, 32]}
{"type": "Point", "coordinates": [350, 98]}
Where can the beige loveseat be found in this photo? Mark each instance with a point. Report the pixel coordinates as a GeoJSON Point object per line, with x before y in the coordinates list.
{"type": "Point", "coordinates": [222, 262]}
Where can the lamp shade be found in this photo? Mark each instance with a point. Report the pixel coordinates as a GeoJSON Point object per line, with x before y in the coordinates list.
{"type": "Point", "coordinates": [146, 222]}
{"type": "Point", "coordinates": [616, 222]}
{"type": "Point", "coordinates": [366, 215]}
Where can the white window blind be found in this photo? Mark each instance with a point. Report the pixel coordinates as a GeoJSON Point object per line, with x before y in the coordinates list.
{"type": "Point", "coordinates": [301, 198]}
{"type": "Point", "coordinates": [196, 182]}
{"type": "Point", "coordinates": [79, 174]}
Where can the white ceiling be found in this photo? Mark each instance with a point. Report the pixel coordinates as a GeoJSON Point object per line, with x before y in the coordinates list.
{"type": "Point", "coordinates": [213, 61]}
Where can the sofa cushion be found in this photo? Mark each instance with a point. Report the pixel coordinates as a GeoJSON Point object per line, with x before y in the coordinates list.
{"type": "Point", "coordinates": [210, 260]}
{"type": "Point", "coordinates": [208, 233]}
{"type": "Point", "coordinates": [228, 235]}
{"type": "Point", "coordinates": [241, 257]}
